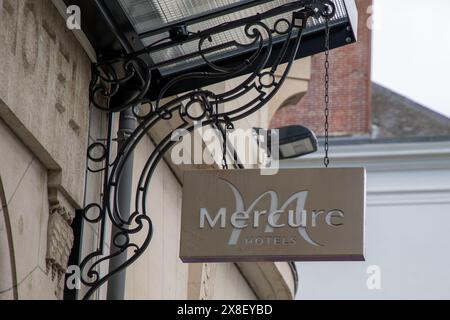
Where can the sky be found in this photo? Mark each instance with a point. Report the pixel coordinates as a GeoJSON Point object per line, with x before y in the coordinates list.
{"type": "Point", "coordinates": [411, 50]}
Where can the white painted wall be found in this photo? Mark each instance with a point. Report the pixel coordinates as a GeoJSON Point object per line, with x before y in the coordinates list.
{"type": "Point", "coordinates": [407, 226]}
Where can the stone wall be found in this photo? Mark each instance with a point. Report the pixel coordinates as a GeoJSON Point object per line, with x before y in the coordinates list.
{"type": "Point", "coordinates": [44, 79]}
{"type": "Point", "coordinates": [25, 188]}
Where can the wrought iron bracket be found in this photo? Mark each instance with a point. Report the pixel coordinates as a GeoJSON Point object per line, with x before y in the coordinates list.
{"type": "Point", "coordinates": [123, 83]}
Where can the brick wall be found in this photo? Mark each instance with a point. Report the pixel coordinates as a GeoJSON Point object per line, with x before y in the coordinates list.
{"type": "Point", "coordinates": [350, 88]}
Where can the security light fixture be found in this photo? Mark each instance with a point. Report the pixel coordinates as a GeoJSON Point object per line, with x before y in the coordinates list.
{"type": "Point", "coordinates": [296, 141]}
{"type": "Point", "coordinates": [292, 141]}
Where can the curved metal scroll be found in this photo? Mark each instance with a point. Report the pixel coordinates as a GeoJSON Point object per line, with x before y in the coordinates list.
{"type": "Point", "coordinates": [256, 89]}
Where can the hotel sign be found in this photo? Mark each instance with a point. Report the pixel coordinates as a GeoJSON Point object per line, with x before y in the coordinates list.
{"type": "Point", "coordinates": [295, 215]}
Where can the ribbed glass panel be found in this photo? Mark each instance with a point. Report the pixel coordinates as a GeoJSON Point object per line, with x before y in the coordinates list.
{"type": "Point", "coordinates": [148, 15]}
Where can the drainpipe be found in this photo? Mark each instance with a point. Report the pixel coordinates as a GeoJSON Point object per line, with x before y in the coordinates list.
{"type": "Point", "coordinates": [127, 124]}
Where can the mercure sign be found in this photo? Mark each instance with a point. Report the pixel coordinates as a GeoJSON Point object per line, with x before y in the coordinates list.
{"type": "Point", "coordinates": [295, 215]}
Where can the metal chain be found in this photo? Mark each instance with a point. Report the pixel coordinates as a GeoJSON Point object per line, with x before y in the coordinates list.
{"type": "Point", "coordinates": [326, 160]}
{"type": "Point", "coordinates": [224, 148]}
{"type": "Point", "coordinates": [228, 125]}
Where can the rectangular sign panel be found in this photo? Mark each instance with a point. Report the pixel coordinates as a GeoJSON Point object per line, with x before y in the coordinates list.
{"type": "Point", "coordinates": [295, 215]}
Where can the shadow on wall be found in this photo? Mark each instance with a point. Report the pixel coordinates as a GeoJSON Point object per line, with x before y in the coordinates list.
{"type": "Point", "coordinates": [290, 102]}
{"type": "Point", "coordinates": [8, 275]}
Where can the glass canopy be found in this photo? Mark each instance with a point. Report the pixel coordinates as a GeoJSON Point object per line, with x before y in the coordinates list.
{"type": "Point", "coordinates": [148, 15]}
{"type": "Point", "coordinates": [152, 20]}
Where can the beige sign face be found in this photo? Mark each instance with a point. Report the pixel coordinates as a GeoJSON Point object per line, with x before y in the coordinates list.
{"type": "Point", "coordinates": [295, 215]}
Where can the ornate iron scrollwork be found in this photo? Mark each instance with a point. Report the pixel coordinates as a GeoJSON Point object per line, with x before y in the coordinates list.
{"type": "Point", "coordinates": [123, 83]}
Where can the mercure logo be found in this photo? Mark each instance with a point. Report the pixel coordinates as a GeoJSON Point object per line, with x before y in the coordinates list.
{"type": "Point", "coordinates": [271, 218]}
